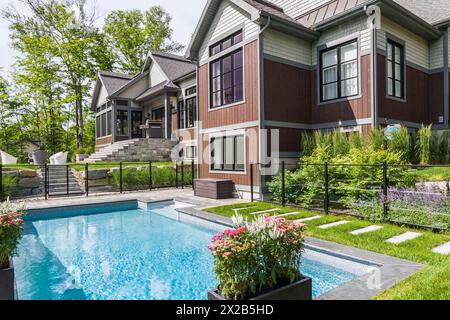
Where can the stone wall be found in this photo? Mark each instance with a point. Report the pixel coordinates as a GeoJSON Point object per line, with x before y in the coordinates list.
{"type": "Point", "coordinates": [22, 183]}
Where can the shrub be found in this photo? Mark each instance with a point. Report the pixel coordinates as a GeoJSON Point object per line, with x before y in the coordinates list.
{"type": "Point", "coordinates": [424, 145]}
{"type": "Point", "coordinates": [10, 185]}
{"type": "Point", "coordinates": [257, 257]}
{"type": "Point", "coordinates": [308, 144]}
{"type": "Point", "coordinates": [11, 224]}
{"type": "Point", "coordinates": [376, 139]}
{"type": "Point", "coordinates": [442, 149]}
{"type": "Point", "coordinates": [341, 143]}
{"type": "Point", "coordinates": [400, 144]}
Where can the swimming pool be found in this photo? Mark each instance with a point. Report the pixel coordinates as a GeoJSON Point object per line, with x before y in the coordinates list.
{"type": "Point", "coordinates": [126, 251]}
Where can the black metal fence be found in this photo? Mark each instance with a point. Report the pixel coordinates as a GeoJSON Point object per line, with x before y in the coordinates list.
{"type": "Point", "coordinates": [414, 195]}
{"type": "Point", "coordinates": [19, 181]}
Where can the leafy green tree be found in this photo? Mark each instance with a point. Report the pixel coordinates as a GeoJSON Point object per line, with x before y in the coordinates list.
{"type": "Point", "coordinates": [133, 34]}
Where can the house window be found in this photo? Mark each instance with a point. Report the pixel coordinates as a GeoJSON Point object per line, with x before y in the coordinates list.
{"type": "Point", "coordinates": [122, 122]}
{"type": "Point", "coordinates": [136, 122]}
{"type": "Point", "coordinates": [339, 72]}
{"type": "Point", "coordinates": [226, 80]}
{"type": "Point", "coordinates": [395, 70]}
{"type": "Point", "coordinates": [158, 114]}
{"type": "Point", "coordinates": [108, 124]}
{"type": "Point", "coordinates": [228, 153]}
{"type": "Point", "coordinates": [181, 115]}
{"type": "Point", "coordinates": [226, 43]}
{"type": "Point", "coordinates": [122, 103]}
{"type": "Point", "coordinates": [191, 152]}
{"type": "Point", "coordinates": [103, 124]}
{"type": "Point", "coordinates": [190, 91]}
{"type": "Point", "coordinates": [191, 106]}
{"type": "Point", "coordinates": [98, 127]}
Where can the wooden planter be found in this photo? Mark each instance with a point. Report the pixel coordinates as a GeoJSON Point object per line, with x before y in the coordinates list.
{"type": "Point", "coordinates": [213, 188]}
{"type": "Point", "coordinates": [301, 290]}
{"type": "Point", "coordinates": [7, 288]}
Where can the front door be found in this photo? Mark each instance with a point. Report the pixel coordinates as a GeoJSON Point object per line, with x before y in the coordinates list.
{"type": "Point", "coordinates": [136, 123]}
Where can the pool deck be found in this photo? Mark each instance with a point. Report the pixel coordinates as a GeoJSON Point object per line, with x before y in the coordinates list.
{"type": "Point", "coordinates": [186, 195]}
{"type": "Point", "coordinates": [385, 273]}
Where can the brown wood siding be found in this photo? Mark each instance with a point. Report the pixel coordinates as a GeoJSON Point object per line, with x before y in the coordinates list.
{"type": "Point", "coordinates": [359, 108]}
{"type": "Point", "coordinates": [290, 139]}
{"type": "Point", "coordinates": [436, 97]}
{"type": "Point", "coordinates": [174, 122]}
{"type": "Point", "coordinates": [416, 107]}
{"type": "Point", "coordinates": [287, 93]}
{"type": "Point", "coordinates": [187, 134]}
{"type": "Point", "coordinates": [103, 141]}
{"type": "Point", "coordinates": [240, 179]}
{"type": "Point", "coordinates": [245, 112]}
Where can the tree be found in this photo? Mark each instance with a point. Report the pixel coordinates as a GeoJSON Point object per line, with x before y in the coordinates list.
{"type": "Point", "coordinates": [133, 34]}
{"type": "Point", "coordinates": [74, 50]}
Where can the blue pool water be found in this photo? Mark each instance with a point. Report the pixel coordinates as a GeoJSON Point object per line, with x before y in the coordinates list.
{"type": "Point", "coordinates": [130, 254]}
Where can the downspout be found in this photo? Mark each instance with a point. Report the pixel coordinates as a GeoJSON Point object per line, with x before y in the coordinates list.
{"type": "Point", "coordinates": [374, 66]}
{"type": "Point", "coordinates": [446, 80]}
{"type": "Point", "coordinates": [262, 179]}
{"type": "Point", "coordinates": [199, 141]}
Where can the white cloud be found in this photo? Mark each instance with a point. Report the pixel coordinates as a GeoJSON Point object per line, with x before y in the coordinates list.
{"type": "Point", "coordinates": [185, 15]}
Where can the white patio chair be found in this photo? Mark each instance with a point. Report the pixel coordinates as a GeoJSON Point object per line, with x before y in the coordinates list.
{"type": "Point", "coordinates": [7, 158]}
{"type": "Point", "coordinates": [59, 158]}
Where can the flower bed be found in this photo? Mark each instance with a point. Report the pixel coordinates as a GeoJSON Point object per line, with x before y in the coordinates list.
{"type": "Point", "coordinates": [11, 224]}
{"type": "Point", "coordinates": [257, 257]}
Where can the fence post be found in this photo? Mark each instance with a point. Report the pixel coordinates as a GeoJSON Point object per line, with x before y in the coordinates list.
{"type": "Point", "coordinates": [150, 180]}
{"type": "Point", "coordinates": [193, 172]}
{"type": "Point", "coordinates": [46, 181]}
{"type": "Point", "coordinates": [182, 174]}
{"type": "Point", "coordinates": [176, 175]}
{"type": "Point", "coordinates": [86, 179]}
{"type": "Point", "coordinates": [121, 176]}
{"type": "Point", "coordinates": [67, 180]}
{"type": "Point", "coordinates": [1, 183]}
{"type": "Point", "coordinates": [385, 191]}
{"type": "Point", "coordinates": [251, 182]}
{"type": "Point", "coordinates": [283, 183]}
{"type": "Point", "coordinates": [327, 189]}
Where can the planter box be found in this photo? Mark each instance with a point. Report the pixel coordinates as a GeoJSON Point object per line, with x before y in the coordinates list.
{"type": "Point", "coordinates": [213, 188]}
{"type": "Point", "coordinates": [301, 290]}
{"type": "Point", "coordinates": [7, 287]}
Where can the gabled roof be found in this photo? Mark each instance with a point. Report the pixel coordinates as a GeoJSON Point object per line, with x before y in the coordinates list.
{"type": "Point", "coordinates": [166, 86]}
{"type": "Point", "coordinates": [113, 81]}
{"type": "Point", "coordinates": [172, 65]}
{"type": "Point", "coordinates": [257, 9]}
{"type": "Point", "coordinates": [432, 11]}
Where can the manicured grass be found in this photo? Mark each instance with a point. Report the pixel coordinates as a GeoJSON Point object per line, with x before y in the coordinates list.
{"type": "Point", "coordinates": [433, 282]}
{"type": "Point", "coordinates": [432, 174]}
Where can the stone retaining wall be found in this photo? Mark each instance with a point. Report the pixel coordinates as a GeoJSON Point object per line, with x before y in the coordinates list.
{"type": "Point", "coordinates": [26, 183]}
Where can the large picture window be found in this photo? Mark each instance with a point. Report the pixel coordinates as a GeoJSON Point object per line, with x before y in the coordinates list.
{"type": "Point", "coordinates": [339, 72]}
{"type": "Point", "coordinates": [228, 153]}
{"type": "Point", "coordinates": [227, 80]}
{"type": "Point", "coordinates": [122, 122]}
{"type": "Point", "coordinates": [395, 70]}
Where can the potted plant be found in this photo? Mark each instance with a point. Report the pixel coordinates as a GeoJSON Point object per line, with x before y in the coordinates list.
{"type": "Point", "coordinates": [11, 224]}
{"type": "Point", "coordinates": [260, 261]}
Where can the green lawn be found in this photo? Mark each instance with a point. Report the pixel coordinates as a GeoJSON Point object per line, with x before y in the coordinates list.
{"type": "Point", "coordinates": [433, 282]}
{"type": "Point", "coordinates": [432, 174]}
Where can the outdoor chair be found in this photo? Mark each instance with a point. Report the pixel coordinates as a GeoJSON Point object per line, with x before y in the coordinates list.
{"type": "Point", "coordinates": [59, 158]}
{"type": "Point", "coordinates": [7, 158]}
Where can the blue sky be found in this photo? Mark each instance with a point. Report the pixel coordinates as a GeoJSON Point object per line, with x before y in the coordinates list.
{"type": "Point", "coordinates": [185, 15]}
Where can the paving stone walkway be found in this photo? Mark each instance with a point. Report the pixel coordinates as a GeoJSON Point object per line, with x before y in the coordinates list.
{"type": "Point", "coordinates": [404, 237]}
{"type": "Point", "coordinates": [366, 230]}
{"type": "Point", "coordinates": [334, 224]}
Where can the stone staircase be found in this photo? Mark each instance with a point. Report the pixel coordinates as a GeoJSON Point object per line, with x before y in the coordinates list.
{"type": "Point", "coordinates": [58, 181]}
{"type": "Point", "coordinates": [135, 150]}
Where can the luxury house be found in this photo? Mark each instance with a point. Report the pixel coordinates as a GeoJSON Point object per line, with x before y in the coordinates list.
{"type": "Point", "coordinates": [269, 69]}
{"type": "Point", "coordinates": [158, 103]}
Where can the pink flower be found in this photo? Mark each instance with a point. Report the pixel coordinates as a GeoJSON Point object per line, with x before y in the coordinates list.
{"type": "Point", "coordinates": [226, 254]}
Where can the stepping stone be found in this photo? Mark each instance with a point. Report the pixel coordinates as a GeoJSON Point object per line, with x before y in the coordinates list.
{"type": "Point", "coordinates": [444, 249]}
{"type": "Point", "coordinates": [366, 230]}
{"type": "Point", "coordinates": [266, 211]}
{"type": "Point", "coordinates": [334, 224]}
{"type": "Point", "coordinates": [307, 219]}
{"type": "Point", "coordinates": [240, 209]}
{"type": "Point", "coordinates": [404, 237]}
{"type": "Point", "coordinates": [288, 214]}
